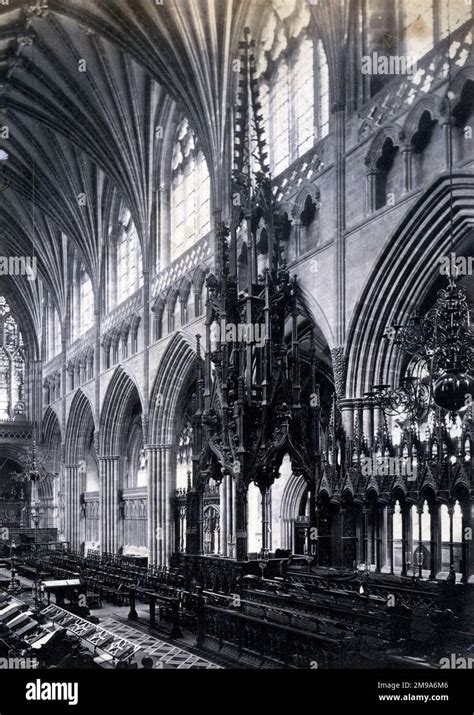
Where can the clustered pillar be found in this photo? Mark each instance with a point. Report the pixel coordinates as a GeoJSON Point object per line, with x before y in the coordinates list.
{"type": "Point", "coordinates": [72, 505]}
{"type": "Point", "coordinates": [160, 512]}
{"type": "Point", "coordinates": [109, 503]}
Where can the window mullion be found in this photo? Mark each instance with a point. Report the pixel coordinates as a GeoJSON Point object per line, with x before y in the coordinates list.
{"type": "Point", "coordinates": [293, 133]}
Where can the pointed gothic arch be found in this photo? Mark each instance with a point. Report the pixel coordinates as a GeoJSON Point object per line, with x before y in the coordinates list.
{"type": "Point", "coordinates": [80, 426]}
{"type": "Point", "coordinates": [121, 399]}
{"type": "Point", "coordinates": [172, 382]}
{"type": "Point", "coordinates": [402, 277]}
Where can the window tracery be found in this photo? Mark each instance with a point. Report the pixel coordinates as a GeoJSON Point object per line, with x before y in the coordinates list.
{"type": "Point", "coordinates": [12, 365]}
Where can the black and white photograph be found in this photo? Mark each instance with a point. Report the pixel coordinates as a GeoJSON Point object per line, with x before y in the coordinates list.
{"type": "Point", "coordinates": [236, 350]}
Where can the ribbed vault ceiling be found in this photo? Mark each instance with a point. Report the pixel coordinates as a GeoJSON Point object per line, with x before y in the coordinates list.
{"type": "Point", "coordinates": [93, 133]}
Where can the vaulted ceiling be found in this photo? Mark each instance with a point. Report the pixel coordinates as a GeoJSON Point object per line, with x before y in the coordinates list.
{"type": "Point", "coordinates": [83, 86]}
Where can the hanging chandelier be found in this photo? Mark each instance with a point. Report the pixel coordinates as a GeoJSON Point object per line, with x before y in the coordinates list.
{"type": "Point", "coordinates": [412, 398]}
{"type": "Point", "coordinates": [442, 345]}
{"type": "Point", "coordinates": [35, 469]}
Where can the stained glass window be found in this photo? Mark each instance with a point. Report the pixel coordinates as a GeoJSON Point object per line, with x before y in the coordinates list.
{"type": "Point", "coordinates": [12, 365]}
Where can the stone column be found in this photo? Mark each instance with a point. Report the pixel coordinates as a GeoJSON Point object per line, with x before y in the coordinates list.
{"type": "Point", "coordinates": [371, 187]}
{"type": "Point", "coordinates": [230, 517]}
{"type": "Point", "coordinates": [435, 552]}
{"type": "Point", "coordinates": [469, 544]}
{"type": "Point", "coordinates": [365, 535]}
{"type": "Point", "coordinates": [419, 512]}
{"type": "Point", "coordinates": [368, 422]}
{"type": "Point", "coordinates": [153, 455]}
{"type": "Point", "coordinates": [378, 537]}
{"type": "Point", "coordinates": [465, 507]}
{"type": "Point", "coordinates": [347, 414]}
{"type": "Point", "coordinates": [407, 153]}
{"type": "Point", "coordinates": [448, 150]}
{"type": "Point", "coordinates": [451, 535]}
{"type": "Point", "coordinates": [339, 128]}
{"type": "Point", "coordinates": [390, 513]}
{"type": "Point", "coordinates": [161, 525]}
{"type": "Point", "coordinates": [109, 503]}
{"type": "Point", "coordinates": [72, 505]}
{"type": "Point", "coordinates": [404, 510]}
{"type": "Point", "coordinates": [240, 521]}
{"type": "Point", "coordinates": [297, 236]}
{"type": "Point", "coordinates": [223, 516]}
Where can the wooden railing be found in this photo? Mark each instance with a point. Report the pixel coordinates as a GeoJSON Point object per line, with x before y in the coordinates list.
{"type": "Point", "coordinates": [239, 635]}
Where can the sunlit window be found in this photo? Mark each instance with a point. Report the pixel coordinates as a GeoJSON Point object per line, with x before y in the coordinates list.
{"type": "Point", "coordinates": [53, 332]}
{"type": "Point", "coordinates": [453, 14]}
{"type": "Point", "coordinates": [280, 119]}
{"type": "Point", "coordinates": [294, 95]}
{"type": "Point", "coordinates": [191, 192]}
{"type": "Point", "coordinates": [457, 523]}
{"type": "Point", "coordinates": [203, 195]}
{"type": "Point", "coordinates": [323, 90]}
{"type": "Point", "coordinates": [57, 346]}
{"type": "Point", "coordinates": [178, 217]}
{"type": "Point", "coordinates": [12, 365]}
{"type": "Point", "coordinates": [419, 23]}
{"type": "Point", "coordinates": [303, 96]}
{"type": "Point", "coordinates": [86, 318]}
{"type": "Point", "coordinates": [129, 263]}
{"type": "Point", "coordinates": [418, 26]}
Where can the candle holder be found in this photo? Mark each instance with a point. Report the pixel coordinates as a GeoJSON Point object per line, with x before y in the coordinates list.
{"type": "Point", "coordinates": [14, 586]}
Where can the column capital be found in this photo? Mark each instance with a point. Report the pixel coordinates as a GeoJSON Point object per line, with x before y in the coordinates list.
{"type": "Point", "coordinates": [348, 403]}
{"type": "Point", "coordinates": [158, 447]}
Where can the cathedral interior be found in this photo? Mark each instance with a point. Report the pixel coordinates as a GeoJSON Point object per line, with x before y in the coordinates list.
{"type": "Point", "coordinates": [235, 346]}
